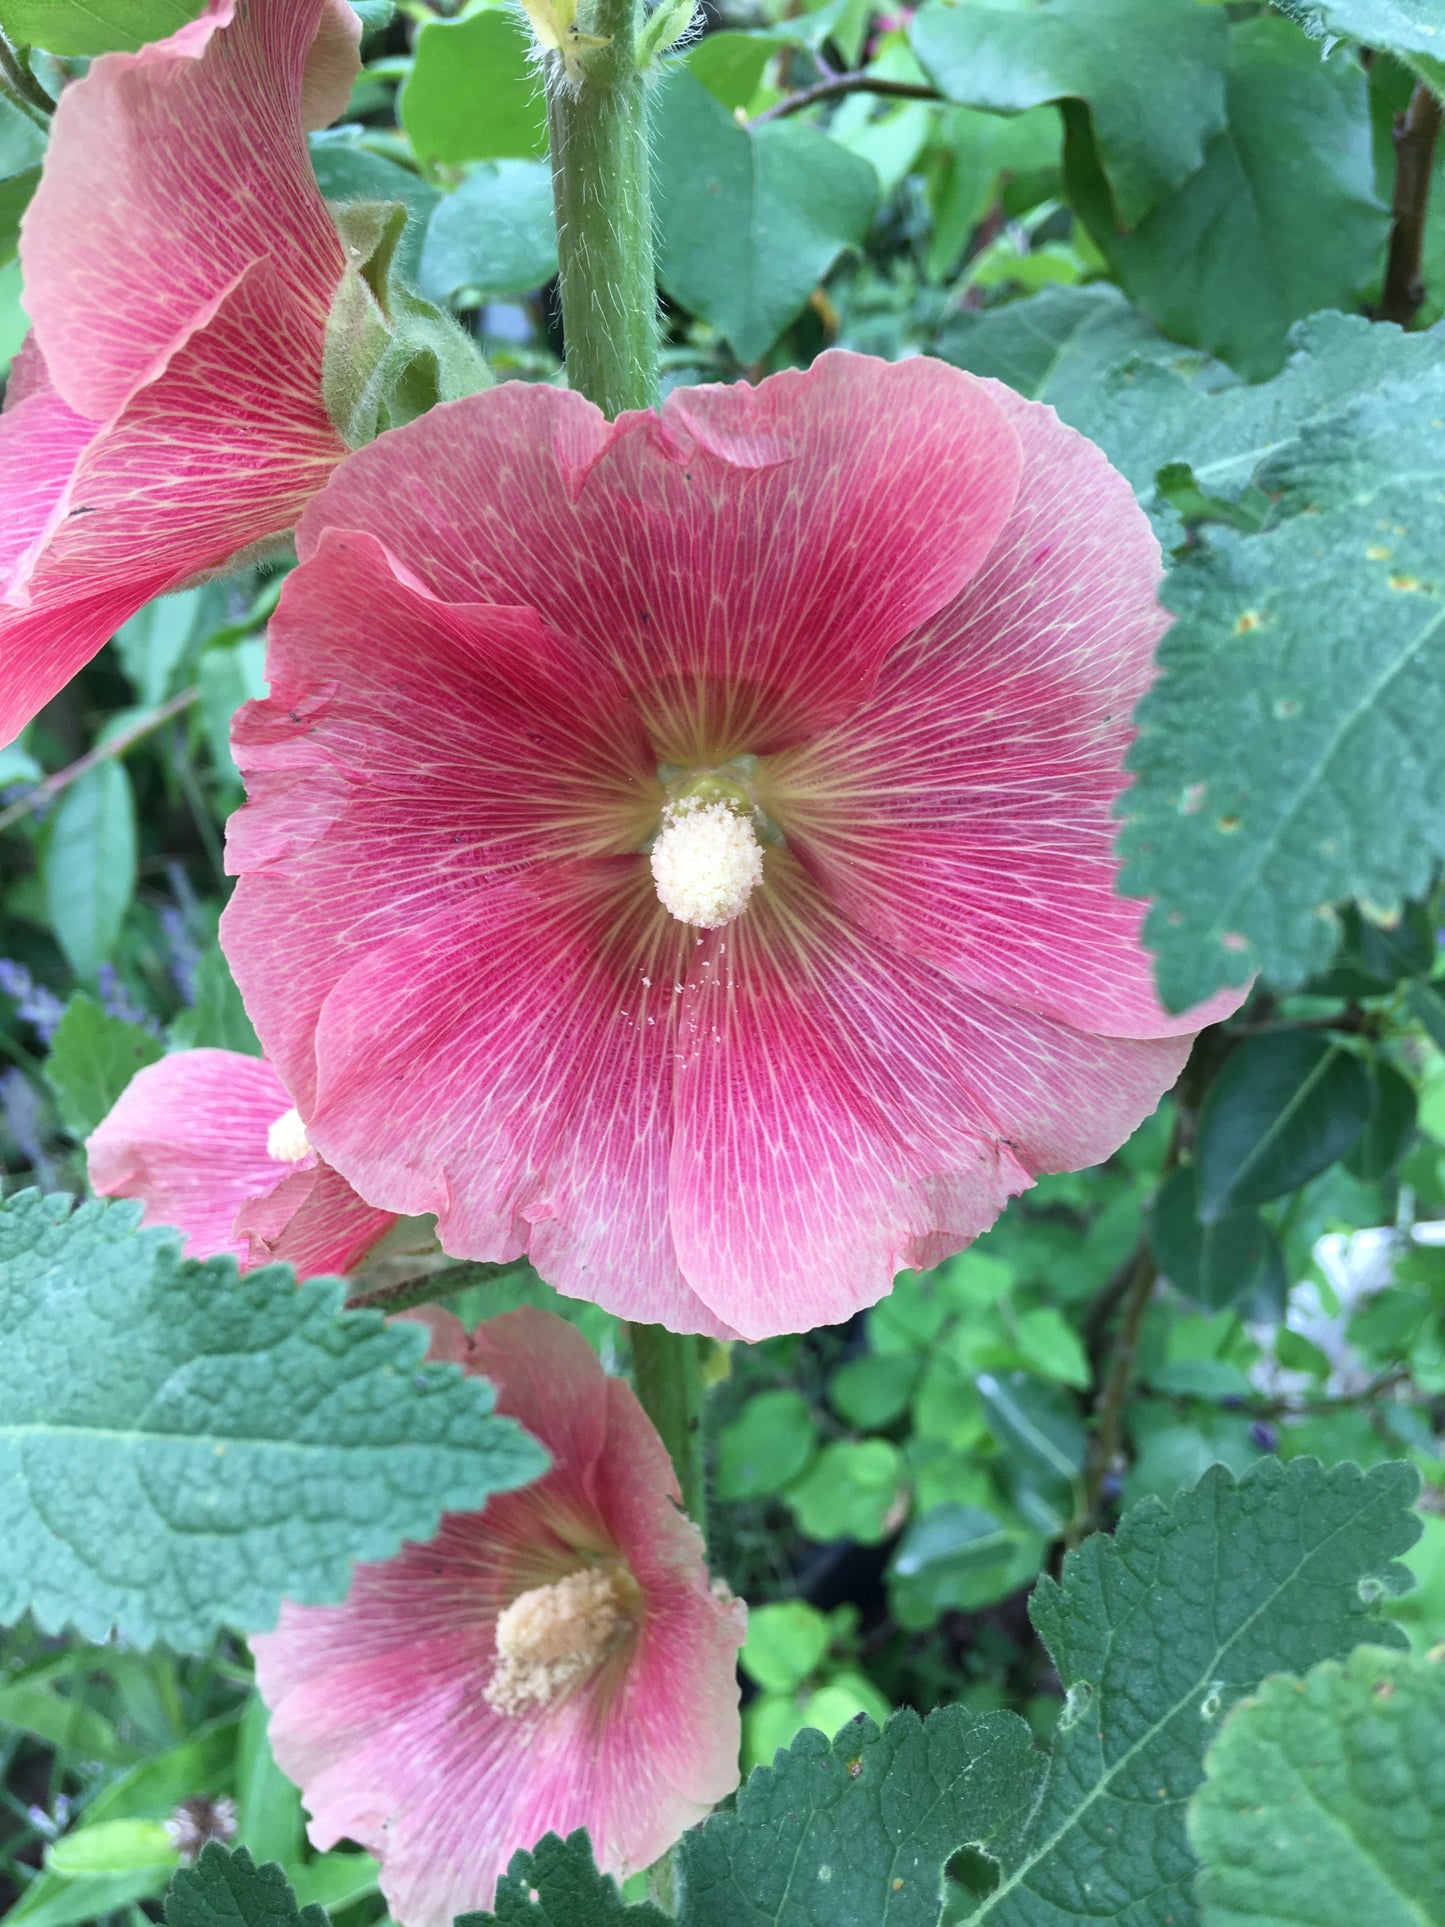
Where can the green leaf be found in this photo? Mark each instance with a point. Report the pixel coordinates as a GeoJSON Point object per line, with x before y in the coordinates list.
{"type": "Point", "coordinates": [749, 219]}
{"type": "Point", "coordinates": [334, 1880]}
{"type": "Point", "coordinates": [230, 1890]}
{"type": "Point", "coordinates": [1325, 1802]}
{"type": "Point", "coordinates": [62, 1720]}
{"type": "Point", "coordinates": [1058, 345]}
{"type": "Point", "coordinates": [154, 644]}
{"type": "Point", "coordinates": [218, 1018]}
{"type": "Point", "coordinates": [472, 93]}
{"type": "Point", "coordinates": [872, 1391]}
{"type": "Point", "coordinates": [1038, 1428]}
{"type": "Point", "coordinates": [93, 26]}
{"type": "Point", "coordinates": [1051, 1347]}
{"type": "Point", "coordinates": [112, 1846]}
{"type": "Point", "coordinates": [270, 1820]}
{"type": "Point", "coordinates": [1284, 1106]}
{"type": "Point", "coordinates": [1286, 760]}
{"type": "Point", "coordinates": [1413, 29]}
{"type": "Point", "coordinates": [1156, 1634]}
{"type": "Point", "coordinates": [93, 1056]}
{"type": "Point", "coordinates": [557, 1885]}
{"type": "Point", "coordinates": [496, 235]}
{"type": "Point", "coordinates": [1390, 1127]}
{"type": "Point", "coordinates": [1219, 1263]}
{"type": "Point", "coordinates": [1280, 220]}
{"type": "Point", "coordinates": [766, 1446]}
{"type": "Point", "coordinates": [229, 675]}
{"type": "Point", "coordinates": [1428, 1005]}
{"type": "Point", "coordinates": [952, 1543]}
{"type": "Point", "coordinates": [786, 1642]}
{"type": "Point", "coordinates": [730, 65]}
{"type": "Point", "coordinates": [22, 148]}
{"type": "Point", "coordinates": [87, 866]}
{"type": "Point", "coordinates": [1150, 72]}
{"type": "Point", "coordinates": [849, 1491]}
{"type": "Point", "coordinates": [195, 1406]}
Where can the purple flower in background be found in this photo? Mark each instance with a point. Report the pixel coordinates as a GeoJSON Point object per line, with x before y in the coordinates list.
{"type": "Point", "coordinates": [115, 996]}
{"type": "Point", "coordinates": [23, 1118]}
{"type": "Point", "coordinates": [34, 1004]}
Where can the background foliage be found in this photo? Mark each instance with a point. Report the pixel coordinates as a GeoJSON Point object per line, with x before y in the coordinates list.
{"type": "Point", "coordinates": [1135, 211]}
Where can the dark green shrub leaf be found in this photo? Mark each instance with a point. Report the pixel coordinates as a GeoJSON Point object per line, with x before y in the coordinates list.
{"type": "Point", "coordinates": [749, 219]}
{"type": "Point", "coordinates": [1282, 1109]}
{"type": "Point", "coordinates": [93, 1056]}
{"type": "Point", "coordinates": [1217, 1264]}
{"type": "Point", "coordinates": [196, 1406]}
{"type": "Point", "coordinates": [87, 866]}
{"type": "Point", "coordinates": [1324, 1800]}
{"type": "Point", "coordinates": [1281, 219]}
{"type": "Point", "coordinates": [1389, 1129]}
{"type": "Point", "coordinates": [1150, 72]}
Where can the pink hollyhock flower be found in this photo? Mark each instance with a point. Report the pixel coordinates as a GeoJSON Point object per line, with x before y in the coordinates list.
{"type": "Point", "coordinates": [557, 1661]}
{"type": "Point", "coordinates": [179, 266]}
{"type": "Point", "coordinates": [682, 848]}
{"type": "Point", "coordinates": [209, 1142]}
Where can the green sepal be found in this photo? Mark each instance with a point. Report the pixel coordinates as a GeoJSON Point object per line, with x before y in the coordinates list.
{"type": "Point", "coordinates": [390, 353]}
{"type": "Point", "coordinates": [663, 28]}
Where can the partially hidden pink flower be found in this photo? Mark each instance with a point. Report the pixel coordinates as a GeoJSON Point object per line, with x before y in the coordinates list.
{"type": "Point", "coordinates": [682, 848]}
{"type": "Point", "coordinates": [209, 1142]}
{"type": "Point", "coordinates": [557, 1661]}
{"type": "Point", "coordinates": [179, 263]}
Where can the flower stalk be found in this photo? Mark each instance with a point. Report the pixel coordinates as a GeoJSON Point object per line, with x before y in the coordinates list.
{"type": "Point", "coordinates": [596, 124]}
{"type": "Point", "coordinates": [667, 1371]}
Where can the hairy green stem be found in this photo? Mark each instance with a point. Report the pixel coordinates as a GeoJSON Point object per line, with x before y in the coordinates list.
{"type": "Point", "coordinates": [596, 122]}
{"type": "Point", "coordinates": [20, 86]}
{"type": "Point", "coordinates": [667, 1370]}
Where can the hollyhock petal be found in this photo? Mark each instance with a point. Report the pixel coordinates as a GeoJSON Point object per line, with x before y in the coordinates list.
{"type": "Point", "coordinates": [725, 556]}
{"type": "Point", "coordinates": [169, 172]}
{"type": "Point", "coordinates": [378, 1706]}
{"type": "Point", "coordinates": [189, 1138]}
{"type": "Point", "coordinates": [796, 1194]}
{"type": "Point", "coordinates": [312, 1221]}
{"type": "Point", "coordinates": [41, 440]}
{"type": "Point", "coordinates": [844, 1112]}
{"type": "Point", "coordinates": [333, 62]}
{"type": "Point", "coordinates": [987, 847]}
{"type": "Point", "coordinates": [218, 453]}
{"type": "Point", "coordinates": [505, 1065]}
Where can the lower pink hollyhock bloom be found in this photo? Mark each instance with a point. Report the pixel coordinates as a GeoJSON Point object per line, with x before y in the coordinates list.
{"type": "Point", "coordinates": [179, 266]}
{"type": "Point", "coordinates": [557, 1661]}
{"type": "Point", "coordinates": [209, 1142]}
{"type": "Point", "coordinates": [681, 848]}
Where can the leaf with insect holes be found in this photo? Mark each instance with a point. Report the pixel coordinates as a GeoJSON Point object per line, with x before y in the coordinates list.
{"type": "Point", "coordinates": [255, 1439]}
{"type": "Point", "coordinates": [1287, 758]}
{"type": "Point", "coordinates": [1325, 1800]}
